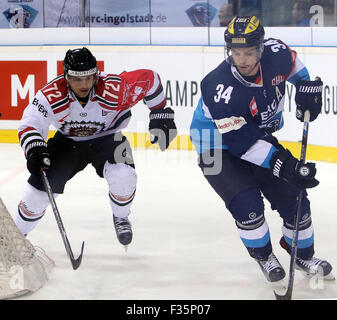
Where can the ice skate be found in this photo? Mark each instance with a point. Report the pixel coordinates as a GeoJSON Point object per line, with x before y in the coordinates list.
{"type": "Point", "coordinates": [271, 268]}
{"type": "Point", "coordinates": [315, 266]}
{"type": "Point", "coordinates": [123, 230]}
{"type": "Point", "coordinates": [311, 267]}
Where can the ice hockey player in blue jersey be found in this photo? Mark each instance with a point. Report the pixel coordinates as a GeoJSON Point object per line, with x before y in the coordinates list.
{"type": "Point", "coordinates": [240, 108]}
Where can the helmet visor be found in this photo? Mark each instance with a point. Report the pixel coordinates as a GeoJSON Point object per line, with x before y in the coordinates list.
{"type": "Point", "coordinates": [229, 53]}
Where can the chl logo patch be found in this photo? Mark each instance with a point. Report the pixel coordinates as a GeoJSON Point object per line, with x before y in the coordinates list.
{"type": "Point", "coordinates": [277, 79]}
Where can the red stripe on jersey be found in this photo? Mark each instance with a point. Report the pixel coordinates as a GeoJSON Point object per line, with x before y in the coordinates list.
{"type": "Point", "coordinates": [258, 80]}
{"type": "Point", "coordinates": [293, 60]}
{"type": "Point", "coordinates": [25, 130]}
{"type": "Point", "coordinates": [123, 199]}
{"type": "Point", "coordinates": [58, 110]}
{"type": "Point", "coordinates": [62, 119]}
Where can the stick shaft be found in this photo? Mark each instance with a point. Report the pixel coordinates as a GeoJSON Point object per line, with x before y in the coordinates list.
{"type": "Point", "coordinates": [75, 262]}
{"type": "Point", "coordinates": [293, 253]}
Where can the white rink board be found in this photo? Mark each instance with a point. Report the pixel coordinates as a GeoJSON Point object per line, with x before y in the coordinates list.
{"type": "Point", "coordinates": [196, 36]}
{"type": "Point", "coordinates": [181, 70]}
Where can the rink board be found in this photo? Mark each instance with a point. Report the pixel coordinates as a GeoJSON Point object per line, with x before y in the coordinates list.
{"type": "Point", "coordinates": [181, 68]}
{"type": "Point", "coordinates": [183, 142]}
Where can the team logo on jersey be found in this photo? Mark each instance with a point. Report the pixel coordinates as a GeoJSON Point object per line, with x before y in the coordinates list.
{"type": "Point", "coordinates": [137, 92]}
{"type": "Point", "coordinates": [82, 128]}
{"type": "Point", "coordinates": [273, 126]}
{"type": "Point", "coordinates": [277, 79]}
{"type": "Point", "coordinates": [253, 107]}
{"type": "Point", "coordinates": [132, 92]}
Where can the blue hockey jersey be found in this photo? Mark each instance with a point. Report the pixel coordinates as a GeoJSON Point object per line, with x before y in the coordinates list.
{"type": "Point", "coordinates": [238, 115]}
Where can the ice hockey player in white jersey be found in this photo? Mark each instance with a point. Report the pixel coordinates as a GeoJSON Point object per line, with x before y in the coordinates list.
{"type": "Point", "coordinates": [89, 109]}
{"type": "Point", "coordinates": [240, 108]}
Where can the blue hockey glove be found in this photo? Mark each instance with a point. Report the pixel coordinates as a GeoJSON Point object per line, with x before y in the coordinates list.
{"type": "Point", "coordinates": [295, 172]}
{"type": "Point", "coordinates": [308, 97]}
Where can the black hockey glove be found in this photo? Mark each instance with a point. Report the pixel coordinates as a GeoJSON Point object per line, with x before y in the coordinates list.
{"type": "Point", "coordinates": [308, 97]}
{"type": "Point", "coordinates": [162, 127]}
{"type": "Point", "coordinates": [295, 172]}
{"type": "Point", "coordinates": [38, 157]}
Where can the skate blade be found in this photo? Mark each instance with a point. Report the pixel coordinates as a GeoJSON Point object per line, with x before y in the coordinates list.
{"type": "Point", "coordinates": [328, 277]}
{"type": "Point", "coordinates": [126, 248]}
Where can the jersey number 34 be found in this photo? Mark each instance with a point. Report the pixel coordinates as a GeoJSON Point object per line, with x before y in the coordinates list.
{"type": "Point", "coordinates": [223, 94]}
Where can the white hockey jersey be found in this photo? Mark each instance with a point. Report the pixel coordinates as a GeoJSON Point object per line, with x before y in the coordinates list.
{"type": "Point", "coordinates": [107, 110]}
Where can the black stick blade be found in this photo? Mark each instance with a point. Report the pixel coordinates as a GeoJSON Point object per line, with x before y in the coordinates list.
{"type": "Point", "coordinates": [76, 262]}
{"type": "Point", "coordinates": [286, 296]}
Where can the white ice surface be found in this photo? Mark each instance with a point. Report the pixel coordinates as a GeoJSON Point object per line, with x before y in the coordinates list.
{"type": "Point", "coordinates": [185, 242]}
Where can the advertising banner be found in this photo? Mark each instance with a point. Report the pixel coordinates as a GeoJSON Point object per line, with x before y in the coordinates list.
{"type": "Point", "coordinates": [107, 13]}
{"type": "Point", "coordinates": [19, 82]}
{"type": "Point", "coordinates": [155, 13]}
{"type": "Point", "coordinates": [24, 70]}
{"type": "Point", "coordinates": [21, 14]}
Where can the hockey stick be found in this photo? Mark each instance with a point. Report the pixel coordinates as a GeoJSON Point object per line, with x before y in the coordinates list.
{"type": "Point", "coordinates": [293, 254]}
{"type": "Point", "coordinates": [75, 262]}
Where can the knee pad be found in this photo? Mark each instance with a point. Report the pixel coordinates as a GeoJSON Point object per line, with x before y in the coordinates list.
{"type": "Point", "coordinates": [122, 178]}
{"type": "Point", "coordinates": [122, 181]}
{"type": "Point", "coordinates": [34, 201]}
{"type": "Point", "coordinates": [247, 208]}
{"type": "Point", "coordinates": [289, 212]}
{"type": "Point", "coordinates": [31, 208]}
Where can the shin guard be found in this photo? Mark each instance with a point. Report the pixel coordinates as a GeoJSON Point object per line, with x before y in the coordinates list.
{"type": "Point", "coordinates": [247, 209]}
{"type": "Point", "coordinates": [122, 180]}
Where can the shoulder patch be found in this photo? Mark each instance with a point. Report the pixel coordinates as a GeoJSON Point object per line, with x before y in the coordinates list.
{"type": "Point", "coordinates": [55, 91]}
{"type": "Point", "coordinates": [253, 107]}
{"type": "Point", "coordinates": [107, 91]}
{"type": "Point", "coordinates": [231, 123]}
